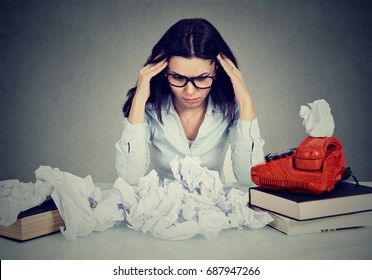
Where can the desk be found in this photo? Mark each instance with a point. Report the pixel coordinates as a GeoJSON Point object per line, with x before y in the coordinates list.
{"type": "Point", "coordinates": [232, 244]}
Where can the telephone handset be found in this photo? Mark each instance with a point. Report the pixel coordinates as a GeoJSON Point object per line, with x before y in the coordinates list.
{"type": "Point", "coordinates": [313, 167]}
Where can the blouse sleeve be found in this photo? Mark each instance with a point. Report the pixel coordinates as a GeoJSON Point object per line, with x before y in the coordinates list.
{"type": "Point", "coordinates": [132, 152]}
{"type": "Point", "coordinates": [246, 149]}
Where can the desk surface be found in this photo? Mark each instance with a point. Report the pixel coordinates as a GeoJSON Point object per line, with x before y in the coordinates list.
{"type": "Point", "coordinates": [124, 243]}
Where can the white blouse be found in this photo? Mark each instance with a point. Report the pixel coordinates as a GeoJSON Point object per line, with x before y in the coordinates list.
{"type": "Point", "coordinates": [152, 145]}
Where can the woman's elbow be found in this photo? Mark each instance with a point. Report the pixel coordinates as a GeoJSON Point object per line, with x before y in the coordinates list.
{"type": "Point", "coordinates": [244, 180]}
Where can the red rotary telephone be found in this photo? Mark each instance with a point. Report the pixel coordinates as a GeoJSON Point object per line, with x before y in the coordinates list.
{"type": "Point", "coordinates": [313, 167]}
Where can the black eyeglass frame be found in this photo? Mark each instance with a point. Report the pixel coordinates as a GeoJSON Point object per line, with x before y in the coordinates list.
{"type": "Point", "coordinates": [187, 79]}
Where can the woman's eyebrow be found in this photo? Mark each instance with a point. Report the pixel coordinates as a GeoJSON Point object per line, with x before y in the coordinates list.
{"type": "Point", "coordinates": [200, 75]}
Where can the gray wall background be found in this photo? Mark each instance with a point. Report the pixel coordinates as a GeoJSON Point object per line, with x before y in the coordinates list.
{"type": "Point", "coordinates": [66, 67]}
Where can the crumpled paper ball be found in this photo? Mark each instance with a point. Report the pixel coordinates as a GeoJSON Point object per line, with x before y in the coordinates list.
{"type": "Point", "coordinates": [317, 118]}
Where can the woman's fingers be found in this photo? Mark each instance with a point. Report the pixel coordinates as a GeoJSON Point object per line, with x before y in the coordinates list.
{"type": "Point", "coordinates": [160, 66]}
{"type": "Point", "coordinates": [155, 67]}
{"type": "Point", "coordinates": [145, 76]}
{"type": "Point", "coordinates": [224, 64]}
{"type": "Point", "coordinates": [150, 67]}
{"type": "Point", "coordinates": [228, 66]}
{"type": "Point", "coordinates": [152, 70]}
{"type": "Point", "coordinates": [227, 61]}
{"type": "Point", "coordinates": [240, 89]}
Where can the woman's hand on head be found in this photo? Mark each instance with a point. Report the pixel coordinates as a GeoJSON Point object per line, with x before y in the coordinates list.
{"type": "Point", "coordinates": [242, 95]}
{"type": "Point", "coordinates": [145, 76]}
{"type": "Point", "coordinates": [137, 110]}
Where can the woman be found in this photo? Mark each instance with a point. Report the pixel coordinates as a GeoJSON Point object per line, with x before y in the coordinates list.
{"type": "Point", "coordinates": [190, 99]}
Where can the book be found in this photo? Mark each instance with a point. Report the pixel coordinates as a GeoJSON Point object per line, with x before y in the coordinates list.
{"type": "Point", "coordinates": [345, 198]}
{"type": "Point", "coordinates": [290, 226]}
{"type": "Point", "coordinates": [34, 222]}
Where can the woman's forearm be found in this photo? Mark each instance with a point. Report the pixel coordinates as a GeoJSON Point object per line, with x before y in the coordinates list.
{"type": "Point", "coordinates": [137, 111]}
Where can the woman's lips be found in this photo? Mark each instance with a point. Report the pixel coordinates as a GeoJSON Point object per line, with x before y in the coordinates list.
{"type": "Point", "coordinates": [192, 100]}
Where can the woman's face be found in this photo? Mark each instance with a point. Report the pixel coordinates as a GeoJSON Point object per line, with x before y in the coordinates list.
{"type": "Point", "coordinates": [189, 96]}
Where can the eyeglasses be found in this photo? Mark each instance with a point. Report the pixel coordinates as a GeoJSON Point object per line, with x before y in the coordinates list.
{"type": "Point", "coordinates": [202, 82]}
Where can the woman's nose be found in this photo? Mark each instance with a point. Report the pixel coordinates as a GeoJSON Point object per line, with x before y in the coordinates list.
{"type": "Point", "coordinates": [190, 88]}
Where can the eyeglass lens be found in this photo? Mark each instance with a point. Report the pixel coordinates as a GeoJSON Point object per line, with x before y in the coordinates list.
{"type": "Point", "coordinates": [181, 81]}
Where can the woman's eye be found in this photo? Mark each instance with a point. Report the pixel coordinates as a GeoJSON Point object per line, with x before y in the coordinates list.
{"type": "Point", "coordinates": [178, 78]}
{"type": "Point", "coordinates": [200, 79]}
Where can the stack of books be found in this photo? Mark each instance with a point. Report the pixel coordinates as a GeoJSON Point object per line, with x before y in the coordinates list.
{"type": "Point", "coordinates": [35, 222]}
{"type": "Point", "coordinates": [347, 206]}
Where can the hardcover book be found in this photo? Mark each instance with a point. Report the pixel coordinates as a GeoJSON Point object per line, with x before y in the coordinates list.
{"type": "Point", "coordinates": [290, 226]}
{"type": "Point", "coordinates": [345, 198]}
{"type": "Point", "coordinates": [35, 222]}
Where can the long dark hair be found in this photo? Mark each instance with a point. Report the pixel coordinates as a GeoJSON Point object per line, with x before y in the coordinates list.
{"type": "Point", "coordinates": [190, 38]}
